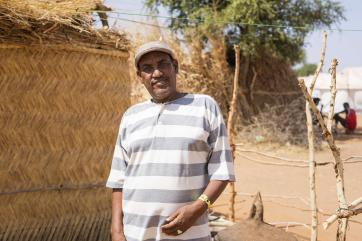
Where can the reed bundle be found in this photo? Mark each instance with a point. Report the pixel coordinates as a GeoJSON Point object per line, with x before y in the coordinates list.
{"type": "Point", "coordinates": [61, 22]}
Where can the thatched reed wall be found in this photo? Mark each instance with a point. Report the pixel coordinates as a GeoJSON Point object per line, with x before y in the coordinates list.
{"type": "Point", "coordinates": [63, 88]}
{"type": "Point", "coordinates": [59, 113]}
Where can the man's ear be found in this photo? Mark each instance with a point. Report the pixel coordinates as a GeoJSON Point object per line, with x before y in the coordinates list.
{"type": "Point", "coordinates": [139, 78]}
{"type": "Point", "coordinates": [175, 64]}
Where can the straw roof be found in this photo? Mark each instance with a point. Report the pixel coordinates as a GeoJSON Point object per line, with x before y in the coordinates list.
{"type": "Point", "coordinates": [55, 22]}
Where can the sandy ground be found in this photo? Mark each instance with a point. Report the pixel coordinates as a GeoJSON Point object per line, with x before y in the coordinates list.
{"type": "Point", "coordinates": [285, 191]}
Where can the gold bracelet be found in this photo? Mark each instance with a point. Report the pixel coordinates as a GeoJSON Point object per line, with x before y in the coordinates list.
{"type": "Point", "coordinates": [206, 200]}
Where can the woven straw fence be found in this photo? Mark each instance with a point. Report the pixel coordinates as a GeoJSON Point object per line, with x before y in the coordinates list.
{"type": "Point", "coordinates": [60, 107]}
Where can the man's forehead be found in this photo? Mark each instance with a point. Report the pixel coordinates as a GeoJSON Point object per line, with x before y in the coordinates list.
{"type": "Point", "coordinates": [154, 56]}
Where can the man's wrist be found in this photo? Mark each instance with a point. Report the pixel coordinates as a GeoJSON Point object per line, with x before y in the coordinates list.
{"type": "Point", "coordinates": [117, 230]}
{"type": "Point", "coordinates": [205, 199]}
{"type": "Point", "coordinates": [200, 206]}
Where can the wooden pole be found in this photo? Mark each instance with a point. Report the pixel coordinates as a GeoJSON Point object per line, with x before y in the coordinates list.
{"type": "Point", "coordinates": [338, 164]}
{"type": "Point", "coordinates": [312, 171]}
{"type": "Point", "coordinates": [312, 162]}
{"type": "Point", "coordinates": [333, 89]}
{"type": "Point", "coordinates": [342, 222]}
{"type": "Point", "coordinates": [321, 60]}
{"type": "Point", "coordinates": [230, 128]}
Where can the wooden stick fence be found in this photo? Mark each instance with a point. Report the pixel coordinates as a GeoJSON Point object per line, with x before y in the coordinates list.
{"type": "Point", "coordinates": [344, 211]}
{"type": "Point", "coordinates": [345, 160]}
{"type": "Point", "coordinates": [291, 163]}
{"type": "Point", "coordinates": [338, 167]}
{"type": "Point", "coordinates": [334, 217]}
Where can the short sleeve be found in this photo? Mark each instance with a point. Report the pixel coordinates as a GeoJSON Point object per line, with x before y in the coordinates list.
{"type": "Point", "coordinates": [220, 163]}
{"type": "Point", "coordinates": [119, 162]}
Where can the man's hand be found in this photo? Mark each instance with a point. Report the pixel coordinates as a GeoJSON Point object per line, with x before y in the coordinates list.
{"type": "Point", "coordinates": [117, 236]}
{"type": "Point", "coordinates": [184, 218]}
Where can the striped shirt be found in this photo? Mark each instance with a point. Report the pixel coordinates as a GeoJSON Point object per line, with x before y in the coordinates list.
{"type": "Point", "coordinates": [165, 155]}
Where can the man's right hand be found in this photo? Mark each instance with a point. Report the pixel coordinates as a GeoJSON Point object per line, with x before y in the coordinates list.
{"type": "Point", "coordinates": [118, 236]}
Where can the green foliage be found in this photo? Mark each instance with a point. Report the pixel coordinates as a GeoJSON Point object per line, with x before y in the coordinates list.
{"type": "Point", "coordinates": [249, 22]}
{"type": "Point", "coordinates": [306, 69]}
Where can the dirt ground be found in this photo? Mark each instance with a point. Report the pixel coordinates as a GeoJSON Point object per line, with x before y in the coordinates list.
{"type": "Point", "coordinates": [285, 191]}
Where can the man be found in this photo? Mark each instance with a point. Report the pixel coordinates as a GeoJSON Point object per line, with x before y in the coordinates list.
{"type": "Point", "coordinates": [171, 160]}
{"type": "Point", "coordinates": [350, 120]}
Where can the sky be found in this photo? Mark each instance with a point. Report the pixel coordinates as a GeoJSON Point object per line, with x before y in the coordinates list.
{"type": "Point", "coordinates": [346, 46]}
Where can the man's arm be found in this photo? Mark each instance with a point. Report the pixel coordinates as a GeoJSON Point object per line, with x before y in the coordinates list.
{"type": "Point", "coordinates": [186, 216]}
{"type": "Point", "coordinates": [117, 224]}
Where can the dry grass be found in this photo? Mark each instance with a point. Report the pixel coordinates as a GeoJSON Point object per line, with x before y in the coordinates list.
{"type": "Point", "coordinates": [204, 72]}
{"type": "Point", "coordinates": [280, 124]}
{"type": "Point", "coordinates": [50, 22]}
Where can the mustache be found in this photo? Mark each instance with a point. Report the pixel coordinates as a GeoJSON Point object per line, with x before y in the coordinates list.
{"type": "Point", "coordinates": [155, 81]}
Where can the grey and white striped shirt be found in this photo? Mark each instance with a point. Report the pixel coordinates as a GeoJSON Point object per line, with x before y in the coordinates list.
{"type": "Point", "coordinates": [165, 156]}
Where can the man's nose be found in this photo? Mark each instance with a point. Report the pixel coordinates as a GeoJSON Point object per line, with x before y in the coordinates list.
{"type": "Point", "coordinates": [157, 73]}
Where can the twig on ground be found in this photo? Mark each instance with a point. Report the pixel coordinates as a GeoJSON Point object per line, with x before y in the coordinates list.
{"type": "Point", "coordinates": [289, 224]}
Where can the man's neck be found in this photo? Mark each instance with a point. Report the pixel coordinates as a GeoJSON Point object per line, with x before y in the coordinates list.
{"type": "Point", "coordinates": [173, 97]}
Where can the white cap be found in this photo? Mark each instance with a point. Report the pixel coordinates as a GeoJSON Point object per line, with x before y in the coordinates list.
{"type": "Point", "coordinates": [151, 47]}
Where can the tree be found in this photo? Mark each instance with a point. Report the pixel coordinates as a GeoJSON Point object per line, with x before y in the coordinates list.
{"type": "Point", "coordinates": [273, 29]}
{"type": "Point", "coordinates": [306, 69]}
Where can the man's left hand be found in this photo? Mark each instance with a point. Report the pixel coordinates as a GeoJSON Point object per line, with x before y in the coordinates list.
{"type": "Point", "coordinates": [184, 218]}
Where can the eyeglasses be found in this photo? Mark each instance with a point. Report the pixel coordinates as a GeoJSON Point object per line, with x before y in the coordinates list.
{"type": "Point", "coordinates": [162, 66]}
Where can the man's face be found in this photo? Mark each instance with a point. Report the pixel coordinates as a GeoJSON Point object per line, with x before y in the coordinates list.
{"type": "Point", "coordinates": [157, 72]}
